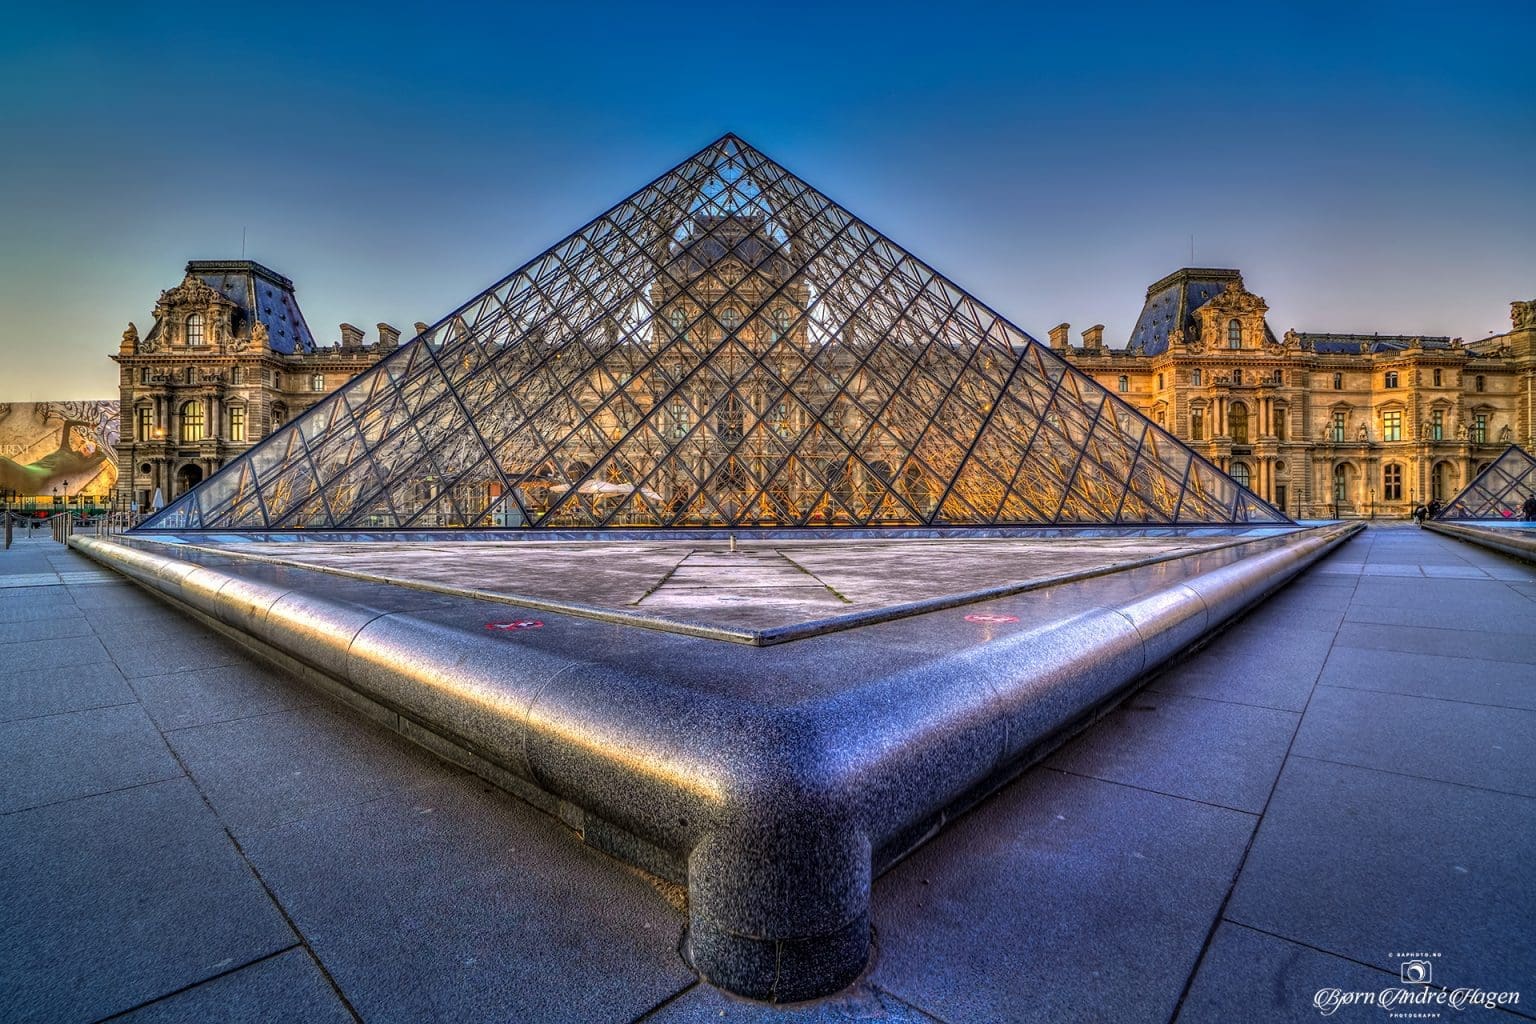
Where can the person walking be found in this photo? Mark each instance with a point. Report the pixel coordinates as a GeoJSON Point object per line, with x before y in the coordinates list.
{"type": "Point", "coordinates": [1529, 508]}
{"type": "Point", "coordinates": [1419, 512]}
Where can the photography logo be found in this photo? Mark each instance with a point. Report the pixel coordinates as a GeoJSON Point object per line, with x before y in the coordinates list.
{"type": "Point", "coordinates": [1415, 997]}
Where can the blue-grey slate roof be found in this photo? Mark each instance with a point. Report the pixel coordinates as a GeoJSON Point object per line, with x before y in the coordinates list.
{"type": "Point", "coordinates": [260, 293]}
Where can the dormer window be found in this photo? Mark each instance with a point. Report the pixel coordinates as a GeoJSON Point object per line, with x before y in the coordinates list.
{"type": "Point", "coordinates": [1234, 334]}
{"type": "Point", "coordinates": [195, 330]}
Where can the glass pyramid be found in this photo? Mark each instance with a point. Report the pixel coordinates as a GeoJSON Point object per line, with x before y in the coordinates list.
{"type": "Point", "coordinates": [1498, 491]}
{"type": "Point", "coordinates": [726, 347]}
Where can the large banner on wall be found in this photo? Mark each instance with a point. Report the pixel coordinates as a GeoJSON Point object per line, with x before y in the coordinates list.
{"type": "Point", "coordinates": [63, 448]}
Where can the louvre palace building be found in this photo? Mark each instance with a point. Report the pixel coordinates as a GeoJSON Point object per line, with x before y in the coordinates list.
{"type": "Point", "coordinates": [729, 348]}
{"type": "Point", "coordinates": [228, 361]}
{"type": "Point", "coordinates": [1321, 425]}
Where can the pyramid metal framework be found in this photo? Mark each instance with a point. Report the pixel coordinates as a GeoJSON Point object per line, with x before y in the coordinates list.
{"type": "Point", "coordinates": [726, 347]}
{"type": "Point", "coordinates": [1499, 491]}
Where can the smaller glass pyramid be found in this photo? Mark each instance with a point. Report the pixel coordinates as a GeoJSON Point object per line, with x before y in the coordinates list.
{"type": "Point", "coordinates": [725, 348]}
{"type": "Point", "coordinates": [1499, 491]}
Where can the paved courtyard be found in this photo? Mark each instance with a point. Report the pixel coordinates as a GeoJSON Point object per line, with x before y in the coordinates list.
{"type": "Point", "coordinates": [1345, 775]}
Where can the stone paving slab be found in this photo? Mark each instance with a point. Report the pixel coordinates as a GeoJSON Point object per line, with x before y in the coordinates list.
{"type": "Point", "coordinates": [241, 689]}
{"type": "Point", "coordinates": [1364, 863]}
{"type": "Point", "coordinates": [80, 753]}
{"type": "Point", "coordinates": [1250, 976]}
{"type": "Point", "coordinates": [114, 900]}
{"type": "Point", "coordinates": [270, 769]}
{"type": "Point", "coordinates": [1215, 752]}
{"type": "Point", "coordinates": [286, 987]}
{"type": "Point", "coordinates": [496, 913]}
{"type": "Point", "coordinates": [1090, 905]}
{"type": "Point", "coordinates": [1476, 680]}
{"type": "Point", "coordinates": [1453, 741]}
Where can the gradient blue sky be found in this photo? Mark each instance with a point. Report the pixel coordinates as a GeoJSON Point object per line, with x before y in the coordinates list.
{"type": "Point", "coordinates": [1369, 167]}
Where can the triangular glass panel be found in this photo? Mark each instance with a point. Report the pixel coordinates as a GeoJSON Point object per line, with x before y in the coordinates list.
{"type": "Point", "coordinates": [1500, 491]}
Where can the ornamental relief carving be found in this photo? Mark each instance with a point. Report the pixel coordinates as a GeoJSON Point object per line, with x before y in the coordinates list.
{"type": "Point", "coordinates": [1522, 315]}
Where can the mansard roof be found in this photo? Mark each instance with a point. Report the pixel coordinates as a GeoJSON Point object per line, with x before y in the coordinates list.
{"type": "Point", "coordinates": [1171, 303]}
{"type": "Point", "coordinates": [1366, 344]}
{"type": "Point", "coordinates": [259, 294]}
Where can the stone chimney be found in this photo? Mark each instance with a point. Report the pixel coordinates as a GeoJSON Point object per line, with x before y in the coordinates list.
{"type": "Point", "coordinates": [389, 336]}
{"type": "Point", "coordinates": [351, 337]}
{"type": "Point", "coordinates": [1059, 337]}
{"type": "Point", "coordinates": [1093, 338]}
{"type": "Point", "coordinates": [422, 328]}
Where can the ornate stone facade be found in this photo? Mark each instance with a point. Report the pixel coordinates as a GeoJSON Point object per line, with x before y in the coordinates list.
{"type": "Point", "coordinates": [1321, 425]}
{"type": "Point", "coordinates": [228, 360]}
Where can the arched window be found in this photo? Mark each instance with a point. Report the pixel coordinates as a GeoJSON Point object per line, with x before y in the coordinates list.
{"type": "Point", "coordinates": [730, 318]}
{"type": "Point", "coordinates": [1234, 333]}
{"type": "Point", "coordinates": [780, 322]}
{"type": "Point", "coordinates": [1124, 384]}
{"type": "Point", "coordinates": [195, 329]}
{"type": "Point", "coordinates": [191, 421]}
{"type": "Point", "coordinates": [1237, 423]}
{"type": "Point", "coordinates": [1341, 482]}
{"type": "Point", "coordinates": [1240, 472]}
{"type": "Point", "coordinates": [1392, 482]}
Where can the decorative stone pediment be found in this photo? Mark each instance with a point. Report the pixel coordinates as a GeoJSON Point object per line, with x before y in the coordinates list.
{"type": "Point", "coordinates": [194, 293]}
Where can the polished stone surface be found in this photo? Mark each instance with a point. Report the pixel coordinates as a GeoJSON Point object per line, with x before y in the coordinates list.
{"type": "Point", "coordinates": [390, 895]}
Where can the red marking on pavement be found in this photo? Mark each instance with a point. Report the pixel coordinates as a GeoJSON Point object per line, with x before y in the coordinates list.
{"type": "Point", "coordinates": [991, 618]}
{"type": "Point", "coordinates": [519, 624]}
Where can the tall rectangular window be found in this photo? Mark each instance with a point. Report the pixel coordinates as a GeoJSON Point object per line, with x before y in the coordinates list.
{"type": "Point", "coordinates": [1196, 377]}
{"type": "Point", "coordinates": [1480, 383]}
{"type": "Point", "coordinates": [1480, 428]}
{"type": "Point", "coordinates": [1392, 425]}
{"type": "Point", "coordinates": [234, 375]}
{"type": "Point", "coordinates": [1336, 434]}
{"type": "Point", "coordinates": [1391, 379]}
{"type": "Point", "coordinates": [1197, 424]}
{"type": "Point", "coordinates": [1437, 424]}
{"type": "Point", "coordinates": [1437, 378]}
{"type": "Point", "coordinates": [1280, 424]}
{"type": "Point", "coordinates": [237, 423]}
{"type": "Point", "coordinates": [146, 424]}
{"type": "Point", "coordinates": [1338, 382]}
{"type": "Point", "coordinates": [1392, 482]}
{"type": "Point", "coordinates": [143, 375]}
